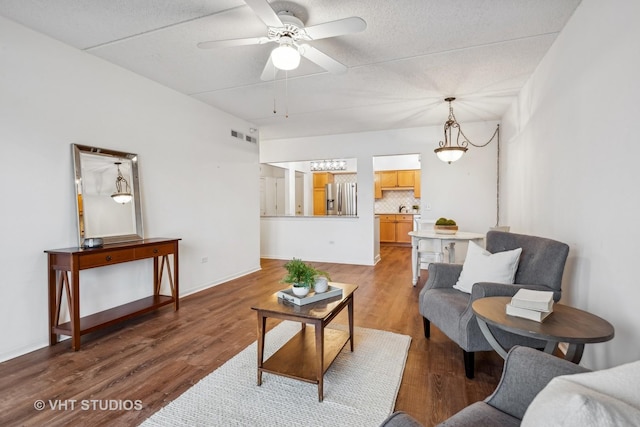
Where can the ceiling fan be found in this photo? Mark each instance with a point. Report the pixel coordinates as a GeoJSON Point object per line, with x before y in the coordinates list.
{"type": "Point", "coordinates": [289, 32]}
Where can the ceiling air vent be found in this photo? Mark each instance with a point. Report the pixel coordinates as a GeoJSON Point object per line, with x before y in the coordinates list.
{"type": "Point", "coordinates": [251, 139]}
{"type": "Point", "coordinates": [236, 134]}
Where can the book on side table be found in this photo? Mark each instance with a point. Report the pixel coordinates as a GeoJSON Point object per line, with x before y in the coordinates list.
{"type": "Point", "coordinates": [526, 313]}
{"type": "Point", "coordinates": [530, 304]}
{"type": "Point", "coordinates": [533, 300]}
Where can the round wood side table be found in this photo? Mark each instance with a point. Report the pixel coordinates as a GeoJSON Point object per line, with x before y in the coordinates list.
{"type": "Point", "coordinates": [566, 324]}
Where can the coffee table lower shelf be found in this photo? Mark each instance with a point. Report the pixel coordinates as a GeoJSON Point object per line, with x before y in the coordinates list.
{"type": "Point", "coordinates": [297, 358]}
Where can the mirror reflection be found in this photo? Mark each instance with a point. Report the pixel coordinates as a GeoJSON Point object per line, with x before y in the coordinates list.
{"type": "Point", "coordinates": [309, 188]}
{"type": "Point", "coordinates": [107, 194]}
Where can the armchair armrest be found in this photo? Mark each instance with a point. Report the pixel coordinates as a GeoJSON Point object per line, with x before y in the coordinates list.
{"type": "Point", "coordinates": [442, 275]}
{"type": "Point", "coordinates": [526, 372]}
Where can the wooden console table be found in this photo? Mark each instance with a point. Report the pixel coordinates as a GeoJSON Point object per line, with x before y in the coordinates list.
{"type": "Point", "coordinates": [67, 262]}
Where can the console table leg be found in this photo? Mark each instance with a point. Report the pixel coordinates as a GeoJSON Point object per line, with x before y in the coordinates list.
{"type": "Point", "coordinates": [157, 277]}
{"type": "Point", "coordinates": [53, 310]}
{"type": "Point", "coordinates": [75, 311]}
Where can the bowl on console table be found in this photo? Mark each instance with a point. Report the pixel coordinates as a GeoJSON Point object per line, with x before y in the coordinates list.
{"type": "Point", "coordinates": [445, 229]}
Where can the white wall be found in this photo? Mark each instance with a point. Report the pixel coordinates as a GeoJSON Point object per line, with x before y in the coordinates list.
{"type": "Point", "coordinates": [570, 166]}
{"type": "Point", "coordinates": [464, 190]}
{"type": "Point", "coordinates": [192, 172]}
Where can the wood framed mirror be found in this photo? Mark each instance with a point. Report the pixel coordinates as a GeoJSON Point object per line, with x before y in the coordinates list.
{"type": "Point", "coordinates": [101, 175]}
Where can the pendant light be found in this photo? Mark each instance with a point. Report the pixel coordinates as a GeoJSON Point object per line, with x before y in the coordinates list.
{"type": "Point", "coordinates": [123, 191]}
{"type": "Point", "coordinates": [450, 153]}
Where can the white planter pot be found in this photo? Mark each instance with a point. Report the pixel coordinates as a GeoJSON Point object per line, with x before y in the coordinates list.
{"type": "Point", "coordinates": [321, 285]}
{"type": "Point", "coordinates": [300, 291]}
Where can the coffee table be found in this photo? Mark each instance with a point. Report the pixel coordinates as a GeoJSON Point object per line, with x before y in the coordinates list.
{"type": "Point", "coordinates": [566, 324]}
{"type": "Point", "coordinates": [306, 356]}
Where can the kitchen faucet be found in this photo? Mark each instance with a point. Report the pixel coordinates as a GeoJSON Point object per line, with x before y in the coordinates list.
{"type": "Point", "coordinates": [402, 207]}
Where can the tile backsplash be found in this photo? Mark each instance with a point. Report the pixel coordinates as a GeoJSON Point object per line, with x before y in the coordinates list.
{"type": "Point", "coordinates": [392, 200]}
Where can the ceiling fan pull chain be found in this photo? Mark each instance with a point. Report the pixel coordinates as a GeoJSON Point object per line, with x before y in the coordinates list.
{"type": "Point", "coordinates": [275, 91]}
{"type": "Point", "coordinates": [286, 94]}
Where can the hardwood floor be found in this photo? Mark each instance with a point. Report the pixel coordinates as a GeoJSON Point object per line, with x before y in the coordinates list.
{"type": "Point", "coordinates": [155, 358]}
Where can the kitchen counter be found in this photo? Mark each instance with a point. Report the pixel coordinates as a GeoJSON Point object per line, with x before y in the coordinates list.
{"type": "Point", "coordinates": [308, 216]}
{"type": "Point", "coordinates": [397, 213]}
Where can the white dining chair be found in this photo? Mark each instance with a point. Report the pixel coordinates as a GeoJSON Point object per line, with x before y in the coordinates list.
{"type": "Point", "coordinates": [428, 250]}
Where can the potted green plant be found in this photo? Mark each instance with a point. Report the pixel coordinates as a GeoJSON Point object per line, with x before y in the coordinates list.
{"type": "Point", "coordinates": [302, 276]}
{"type": "Point", "coordinates": [445, 226]}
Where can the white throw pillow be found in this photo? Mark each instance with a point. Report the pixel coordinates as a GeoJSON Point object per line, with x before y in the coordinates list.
{"type": "Point", "coordinates": [599, 399]}
{"type": "Point", "coordinates": [483, 266]}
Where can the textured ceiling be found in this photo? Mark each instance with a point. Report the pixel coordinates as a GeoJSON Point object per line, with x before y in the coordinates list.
{"type": "Point", "coordinates": [412, 55]}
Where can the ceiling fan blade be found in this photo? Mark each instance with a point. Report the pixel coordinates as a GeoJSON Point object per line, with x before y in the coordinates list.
{"type": "Point", "coordinates": [269, 72]}
{"type": "Point", "coordinates": [265, 12]}
{"type": "Point", "coordinates": [322, 59]}
{"type": "Point", "coordinates": [336, 28]}
{"type": "Point", "coordinates": [216, 44]}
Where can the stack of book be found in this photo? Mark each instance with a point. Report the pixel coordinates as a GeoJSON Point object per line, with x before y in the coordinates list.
{"type": "Point", "coordinates": [530, 304]}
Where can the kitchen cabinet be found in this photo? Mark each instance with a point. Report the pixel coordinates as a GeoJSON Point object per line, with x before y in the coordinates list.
{"type": "Point", "coordinates": [388, 179]}
{"type": "Point", "coordinates": [416, 184]}
{"type": "Point", "coordinates": [395, 228]}
{"type": "Point", "coordinates": [377, 187]}
{"type": "Point", "coordinates": [319, 201]}
{"type": "Point", "coordinates": [406, 178]}
{"type": "Point", "coordinates": [404, 224]}
{"type": "Point", "coordinates": [396, 180]}
{"type": "Point", "coordinates": [320, 179]}
{"type": "Point", "coordinates": [388, 228]}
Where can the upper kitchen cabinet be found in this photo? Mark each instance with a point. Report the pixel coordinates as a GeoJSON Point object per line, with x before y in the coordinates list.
{"type": "Point", "coordinates": [377, 186]}
{"type": "Point", "coordinates": [406, 178]}
{"type": "Point", "coordinates": [416, 184]}
{"type": "Point", "coordinates": [388, 179]}
{"type": "Point", "coordinates": [320, 179]}
{"type": "Point", "coordinates": [397, 180]}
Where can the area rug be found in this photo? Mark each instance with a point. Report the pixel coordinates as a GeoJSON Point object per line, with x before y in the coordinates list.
{"type": "Point", "coordinates": [360, 388]}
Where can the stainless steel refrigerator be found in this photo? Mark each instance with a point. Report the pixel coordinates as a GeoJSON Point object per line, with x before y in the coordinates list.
{"type": "Point", "coordinates": [342, 199]}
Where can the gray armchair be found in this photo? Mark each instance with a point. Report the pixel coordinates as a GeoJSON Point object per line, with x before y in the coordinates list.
{"type": "Point", "coordinates": [526, 372]}
{"type": "Point", "coordinates": [540, 267]}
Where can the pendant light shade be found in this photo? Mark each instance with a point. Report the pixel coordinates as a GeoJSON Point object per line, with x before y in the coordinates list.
{"type": "Point", "coordinates": [450, 154]}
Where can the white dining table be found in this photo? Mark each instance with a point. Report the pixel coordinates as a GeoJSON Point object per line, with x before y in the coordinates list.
{"type": "Point", "coordinates": [441, 241]}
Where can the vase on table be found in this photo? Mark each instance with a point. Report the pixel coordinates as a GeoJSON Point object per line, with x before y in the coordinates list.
{"type": "Point", "coordinates": [321, 285]}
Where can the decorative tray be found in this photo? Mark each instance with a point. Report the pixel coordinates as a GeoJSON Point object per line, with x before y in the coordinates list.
{"type": "Point", "coordinates": [288, 295]}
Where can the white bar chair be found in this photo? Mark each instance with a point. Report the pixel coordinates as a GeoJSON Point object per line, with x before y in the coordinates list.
{"type": "Point", "coordinates": [428, 250]}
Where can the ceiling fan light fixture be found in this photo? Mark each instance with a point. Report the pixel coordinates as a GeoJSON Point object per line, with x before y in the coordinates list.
{"type": "Point", "coordinates": [286, 56]}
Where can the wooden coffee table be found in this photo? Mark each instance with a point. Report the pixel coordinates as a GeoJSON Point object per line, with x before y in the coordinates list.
{"type": "Point", "coordinates": [566, 324]}
{"type": "Point", "coordinates": [306, 356]}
